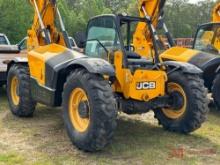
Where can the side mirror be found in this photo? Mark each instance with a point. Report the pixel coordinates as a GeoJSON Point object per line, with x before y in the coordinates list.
{"type": "Point", "coordinates": [80, 39]}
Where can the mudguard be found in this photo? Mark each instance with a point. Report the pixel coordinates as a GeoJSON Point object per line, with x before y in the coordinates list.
{"type": "Point", "coordinates": [59, 66]}
{"type": "Point", "coordinates": [58, 74]}
{"type": "Point", "coordinates": [94, 65]}
{"type": "Point", "coordinates": [209, 63]}
{"type": "Point", "coordinates": [185, 67]}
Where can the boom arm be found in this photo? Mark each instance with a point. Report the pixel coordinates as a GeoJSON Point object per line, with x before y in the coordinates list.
{"type": "Point", "coordinates": [44, 30]}
{"type": "Point", "coordinates": [145, 36]}
{"type": "Point", "coordinates": [216, 13]}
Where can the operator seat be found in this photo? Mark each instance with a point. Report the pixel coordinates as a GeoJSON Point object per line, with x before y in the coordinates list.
{"type": "Point", "coordinates": [135, 61]}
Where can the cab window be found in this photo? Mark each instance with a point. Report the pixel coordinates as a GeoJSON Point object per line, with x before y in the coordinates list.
{"type": "Point", "coordinates": [208, 39]}
{"type": "Point", "coordinates": [102, 37]}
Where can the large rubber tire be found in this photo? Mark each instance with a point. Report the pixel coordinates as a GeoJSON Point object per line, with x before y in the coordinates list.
{"type": "Point", "coordinates": [216, 91]}
{"type": "Point", "coordinates": [102, 106]}
{"type": "Point", "coordinates": [196, 105]}
{"type": "Point", "coordinates": [26, 105]}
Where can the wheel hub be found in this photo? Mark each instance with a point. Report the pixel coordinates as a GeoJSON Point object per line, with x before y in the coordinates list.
{"type": "Point", "coordinates": [177, 100]}
{"type": "Point", "coordinates": [79, 110]}
{"type": "Point", "coordinates": [84, 109]}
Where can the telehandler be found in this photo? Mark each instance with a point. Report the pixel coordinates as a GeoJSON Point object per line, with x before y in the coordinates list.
{"type": "Point", "coordinates": [153, 11]}
{"type": "Point", "coordinates": [91, 88]}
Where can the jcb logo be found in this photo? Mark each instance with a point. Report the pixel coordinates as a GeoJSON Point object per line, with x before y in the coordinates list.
{"type": "Point", "coordinates": [146, 85]}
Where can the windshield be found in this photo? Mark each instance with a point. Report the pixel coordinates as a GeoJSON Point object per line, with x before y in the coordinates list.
{"type": "Point", "coordinates": [208, 39]}
{"type": "Point", "coordinates": [3, 41]}
{"type": "Point", "coordinates": [102, 38]}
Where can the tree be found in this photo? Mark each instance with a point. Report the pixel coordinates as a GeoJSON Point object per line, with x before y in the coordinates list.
{"type": "Point", "coordinates": [182, 18]}
{"type": "Point", "coordinates": [16, 17]}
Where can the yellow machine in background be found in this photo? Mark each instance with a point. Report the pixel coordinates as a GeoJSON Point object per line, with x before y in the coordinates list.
{"type": "Point", "coordinates": [111, 77]}
{"type": "Point", "coordinates": [208, 35]}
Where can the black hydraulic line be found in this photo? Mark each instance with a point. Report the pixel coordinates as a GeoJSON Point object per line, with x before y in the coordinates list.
{"type": "Point", "coordinates": [45, 33]}
{"type": "Point", "coordinates": [64, 32]}
{"type": "Point", "coordinates": [167, 33]}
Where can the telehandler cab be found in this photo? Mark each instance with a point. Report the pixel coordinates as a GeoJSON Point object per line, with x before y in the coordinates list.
{"type": "Point", "coordinates": [92, 88]}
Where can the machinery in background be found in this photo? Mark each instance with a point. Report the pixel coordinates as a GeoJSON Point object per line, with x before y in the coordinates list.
{"type": "Point", "coordinates": [7, 52]}
{"type": "Point", "coordinates": [208, 35]}
{"type": "Point", "coordinates": [4, 39]}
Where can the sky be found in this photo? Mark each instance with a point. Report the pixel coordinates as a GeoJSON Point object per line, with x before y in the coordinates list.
{"type": "Point", "coordinates": [194, 1]}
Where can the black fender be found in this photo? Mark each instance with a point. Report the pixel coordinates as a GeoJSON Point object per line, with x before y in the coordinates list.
{"type": "Point", "coordinates": [94, 65]}
{"type": "Point", "coordinates": [209, 64]}
{"type": "Point", "coordinates": [184, 67]}
{"type": "Point", "coordinates": [61, 65]}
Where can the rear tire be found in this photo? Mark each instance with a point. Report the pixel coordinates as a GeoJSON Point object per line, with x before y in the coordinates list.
{"type": "Point", "coordinates": [216, 91]}
{"type": "Point", "coordinates": [97, 128]}
{"type": "Point", "coordinates": [19, 91]}
{"type": "Point", "coordinates": [196, 105]}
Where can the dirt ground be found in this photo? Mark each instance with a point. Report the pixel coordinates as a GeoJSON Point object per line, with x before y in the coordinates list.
{"type": "Point", "coordinates": [138, 140]}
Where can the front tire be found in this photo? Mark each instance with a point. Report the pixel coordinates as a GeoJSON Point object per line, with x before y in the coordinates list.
{"type": "Point", "coordinates": [89, 110]}
{"type": "Point", "coordinates": [216, 91]}
{"type": "Point", "coordinates": [19, 91]}
{"type": "Point", "coordinates": [192, 111]}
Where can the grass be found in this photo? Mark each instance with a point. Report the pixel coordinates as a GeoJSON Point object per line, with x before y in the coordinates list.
{"type": "Point", "coordinates": [138, 140]}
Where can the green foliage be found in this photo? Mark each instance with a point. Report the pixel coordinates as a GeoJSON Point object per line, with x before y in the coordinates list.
{"type": "Point", "coordinates": [182, 18]}
{"type": "Point", "coordinates": [16, 17]}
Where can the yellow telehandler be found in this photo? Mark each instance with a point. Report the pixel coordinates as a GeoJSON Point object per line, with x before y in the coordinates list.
{"type": "Point", "coordinates": [91, 88]}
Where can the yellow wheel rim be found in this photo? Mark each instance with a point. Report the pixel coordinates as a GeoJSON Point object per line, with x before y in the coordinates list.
{"type": "Point", "coordinates": [173, 113]}
{"type": "Point", "coordinates": [14, 90]}
{"type": "Point", "coordinates": [77, 96]}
